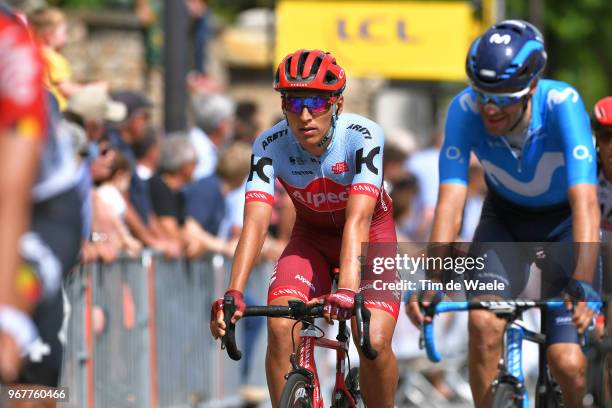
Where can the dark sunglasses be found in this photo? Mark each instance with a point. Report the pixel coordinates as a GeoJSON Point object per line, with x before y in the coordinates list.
{"type": "Point", "coordinates": [501, 99]}
{"type": "Point", "coordinates": [314, 104]}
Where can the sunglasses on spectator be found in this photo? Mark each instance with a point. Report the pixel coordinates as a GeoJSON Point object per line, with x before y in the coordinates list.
{"type": "Point", "coordinates": [314, 104]}
{"type": "Point", "coordinates": [501, 100]}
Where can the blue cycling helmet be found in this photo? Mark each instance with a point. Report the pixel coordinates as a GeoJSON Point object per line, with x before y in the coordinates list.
{"type": "Point", "coordinates": [506, 58]}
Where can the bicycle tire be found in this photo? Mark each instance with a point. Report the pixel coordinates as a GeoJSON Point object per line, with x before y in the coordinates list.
{"type": "Point", "coordinates": [599, 383]}
{"type": "Point", "coordinates": [505, 395]}
{"type": "Point", "coordinates": [297, 392]}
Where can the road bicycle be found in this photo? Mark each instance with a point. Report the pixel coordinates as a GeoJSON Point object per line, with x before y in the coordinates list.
{"type": "Point", "coordinates": [599, 367]}
{"type": "Point", "coordinates": [509, 390]}
{"type": "Point", "coordinates": [302, 389]}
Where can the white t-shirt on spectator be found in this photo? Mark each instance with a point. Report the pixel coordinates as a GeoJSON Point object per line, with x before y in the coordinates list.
{"type": "Point", "coordinates": [113, 198]}
{"type": "Point", "coordinates": [206, 151]}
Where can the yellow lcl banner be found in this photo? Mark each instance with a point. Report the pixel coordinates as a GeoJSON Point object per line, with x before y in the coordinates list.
{"type": "Point", "coordinates": [397, 40]}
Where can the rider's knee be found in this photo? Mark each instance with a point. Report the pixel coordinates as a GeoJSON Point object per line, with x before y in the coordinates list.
{"type": "Point", "coordinates": [381, 343]}
{"type": "Point", "coordinates": [567, 364]}
{"type": "Point", "coordinates": [279, 334]}
{"type": "Point", "coordinates": [485, 328]}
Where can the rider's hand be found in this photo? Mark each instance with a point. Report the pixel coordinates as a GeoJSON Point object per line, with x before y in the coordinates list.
{"type": "Point", "coordinates": [217, 324]}
{"type": "Point", "coordinates": [589, 304]}
{"type": "Point", "coordinates": [339, 305]}
{"type": "Point", "coordinates": [17, 334]}
{"type": "Point", "coordinates": [414, 303]}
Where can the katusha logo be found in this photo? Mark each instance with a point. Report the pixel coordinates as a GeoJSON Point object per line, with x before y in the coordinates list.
{"type": "Point", "coordinates": [340, 167]}
{"type": "Point", "coordinates": [321, 194]}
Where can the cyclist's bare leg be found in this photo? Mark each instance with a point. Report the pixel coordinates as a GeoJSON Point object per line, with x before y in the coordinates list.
{"type": "Point", "coordinates": [279, 350]}
{"type": "Point", "coordinates": [378, 378]}
{"type": "Point", "coordinates": [485, 348]}
{"type": "Point", "coordinates": [568, 364]}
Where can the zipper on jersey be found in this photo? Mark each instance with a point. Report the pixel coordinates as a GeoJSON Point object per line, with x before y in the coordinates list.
{"type": "Point", "coordinates": [517, 157]}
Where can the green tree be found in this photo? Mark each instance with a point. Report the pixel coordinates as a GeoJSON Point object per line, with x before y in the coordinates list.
{"type": "Point", "coordinates": [578, 34]}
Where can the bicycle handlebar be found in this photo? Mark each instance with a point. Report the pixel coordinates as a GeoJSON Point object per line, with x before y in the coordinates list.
{"type": "Point", "coordinates": [363, 316]}
{"type": "Point", "coordinates": [297, 310]}
{"type": "Point", "coordinates": [503, 308]}
{"type": "Point", "coordinates": [229, 340]}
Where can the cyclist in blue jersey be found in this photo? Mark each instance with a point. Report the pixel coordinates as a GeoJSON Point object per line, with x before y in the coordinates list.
{"type": "Point", "coordinates": [330, 163]}
{"type": "Point", "coordinates": [533, 140]}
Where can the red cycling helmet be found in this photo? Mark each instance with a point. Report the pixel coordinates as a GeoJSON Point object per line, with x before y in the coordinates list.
{"type": "Point", "coordinates": [602, 113]}
{"type": "Point", "coordinates": [310, 70]}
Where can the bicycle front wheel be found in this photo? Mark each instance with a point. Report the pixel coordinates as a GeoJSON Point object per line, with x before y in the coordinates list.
{"type": "Point", "coordinates": [599, 383]}
{"type": "Point", "coordinates": [505, 396]}
{"type": "Point", "coordinates": [297, 392]}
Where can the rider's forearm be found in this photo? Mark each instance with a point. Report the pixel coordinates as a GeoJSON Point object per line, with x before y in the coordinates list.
{"type": "Point", "coordinates": [356, 231]}
{"type": "Point", "coordinates": [137, 226]}
{"type": "Point", "coordinates": [18, 164]}
{"type": "Point", "coordinates": [446, 224]}
{"type": "Point", "coordinates": [449, 213]}
{"type": "Point", "coordinates": [249, 246]}
{"type": "Point", "coordinates": [585, 229]}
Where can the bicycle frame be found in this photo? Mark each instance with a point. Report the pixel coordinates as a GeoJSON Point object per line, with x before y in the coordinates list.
{"type": "Point", "coordinates": [511, 366]}
{"type": "Point", "coordinates": [308, 342]}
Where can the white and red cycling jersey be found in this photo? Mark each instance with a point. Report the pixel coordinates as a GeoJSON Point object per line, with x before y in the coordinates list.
{"type": "Point", "coordinates": [22, 99]}
{"type": "Point", "coordinates": [604, 192]}
{"type": "Point", "coordinates": [320, 188]}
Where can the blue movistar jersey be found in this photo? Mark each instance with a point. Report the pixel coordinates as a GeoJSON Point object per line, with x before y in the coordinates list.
{"type": "Point", "coordinates": [557, 153]}
{"type": "Point", "coordinates": [320, 186]}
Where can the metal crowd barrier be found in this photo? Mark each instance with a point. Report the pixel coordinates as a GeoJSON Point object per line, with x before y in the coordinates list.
{"type": "Point", "coordinates": [138, 334]}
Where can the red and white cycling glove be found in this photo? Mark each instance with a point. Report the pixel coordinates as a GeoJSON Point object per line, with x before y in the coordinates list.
{"type": "Point", "coordinates": [340, 304]}
{"type": "Point", "coordinates": [217, 305]}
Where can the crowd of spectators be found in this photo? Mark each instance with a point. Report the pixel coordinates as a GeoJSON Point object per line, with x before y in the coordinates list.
{"type": "Point", "coordinates": [182, 194]}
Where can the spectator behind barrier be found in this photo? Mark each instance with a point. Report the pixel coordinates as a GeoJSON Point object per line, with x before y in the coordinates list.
{"type": "Point", "coordinates": [213, 117]}
{"type": "Point", "coordinates": [424, 165]}
{"type": "Point", "coordinates": [176, 164]}
{"type": "Point", "coordinates": [403, 195]}
{"type": "Point", "coordinates": [232, 169]}
{"type": "Point", "coordinates": [248, 122]}
{"type": "Point", "coordinates": [123, 137]}
{"type": "Point", "coordinates": [393, 165]}
{"type": "Point", "coordinates": [111, 195]}
{"type": "Point", "coordinates": [146, 152]}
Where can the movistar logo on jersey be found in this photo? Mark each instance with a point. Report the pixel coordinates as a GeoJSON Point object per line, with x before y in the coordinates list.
{"type": "Point", "coordinates": [468, 103]}
{"type": "Point", "coordinates": [500, 39]}
{"type": "Point", "coordinates": [538, 185]}
{"type": "Point", "coordinates": [556, 97]}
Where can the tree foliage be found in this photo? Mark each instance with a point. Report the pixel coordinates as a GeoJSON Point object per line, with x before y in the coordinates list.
{"type": "Point", "coordinates": [578, 36]}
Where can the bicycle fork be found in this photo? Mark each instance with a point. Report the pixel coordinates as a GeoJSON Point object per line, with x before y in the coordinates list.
{"type": "Point", "coordinates": [306, 363]}
{"type": "Point", "coordinates": [511, 365]}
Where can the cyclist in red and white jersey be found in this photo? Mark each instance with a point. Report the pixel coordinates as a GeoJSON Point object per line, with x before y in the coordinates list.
{"type": "Point", "coordinates": [601, 122]}
{"type": "Point", "coordinates": [330, 163]}
{"type": "Point", "coordinates": [602, 126]}
{"type": "Point", "coordinates": [22, 129]}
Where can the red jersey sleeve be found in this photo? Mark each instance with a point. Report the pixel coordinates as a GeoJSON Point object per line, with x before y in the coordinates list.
{"type": "Point", "coordinates": [22, 96]}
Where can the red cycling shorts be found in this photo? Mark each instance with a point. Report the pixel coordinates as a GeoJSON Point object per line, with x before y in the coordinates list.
{"type": "Point", "coordinates": [304, 270]}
